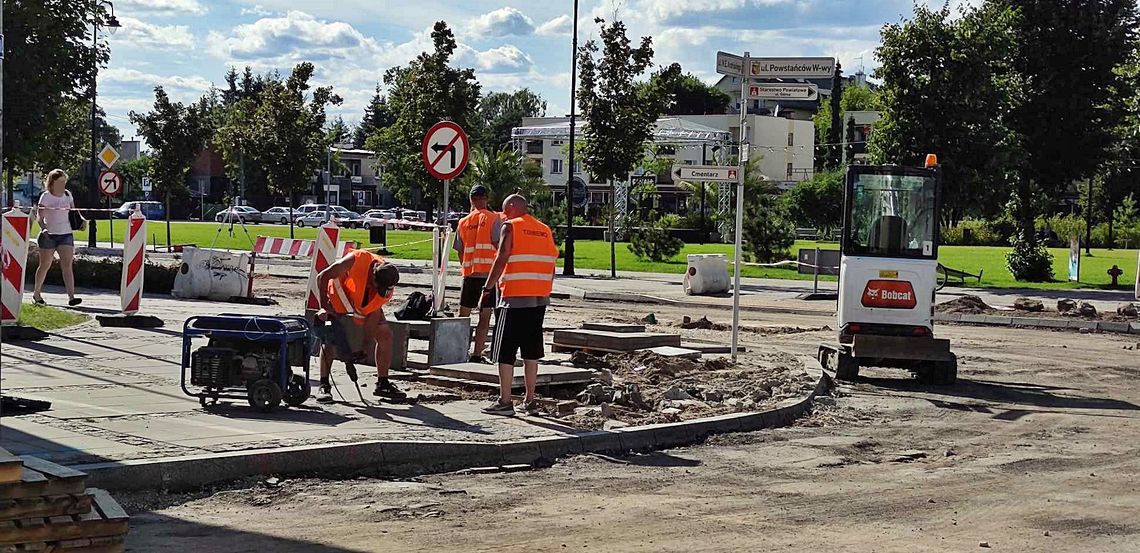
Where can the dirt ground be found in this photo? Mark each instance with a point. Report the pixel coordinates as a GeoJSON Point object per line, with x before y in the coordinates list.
{"type": "Point", "coordinates": [1035, 449]}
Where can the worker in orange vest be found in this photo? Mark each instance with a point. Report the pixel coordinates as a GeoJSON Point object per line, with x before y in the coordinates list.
{"type": "Point", "coordinates": [524, 274]}
{"type": "Point", "coordinates": [354, 290]}
{"type": "Point", "coordinates": [477, 241]}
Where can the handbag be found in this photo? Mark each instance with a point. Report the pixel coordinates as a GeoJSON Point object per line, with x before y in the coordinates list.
{"type": "Point", "coordinates": [76, 220]}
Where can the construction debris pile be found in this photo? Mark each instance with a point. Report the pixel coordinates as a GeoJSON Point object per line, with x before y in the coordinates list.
{"type": "Point", "coordinates": [644, 387]}
{"type": "Point", "coordinates": [1068, 308]}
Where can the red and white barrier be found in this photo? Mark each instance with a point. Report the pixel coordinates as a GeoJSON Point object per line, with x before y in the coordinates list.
{"type": "Point", "coordinates": [327, 238]}
{"type": "Point", "coordinates": [286, 247]}
{"type": "Point", "coordinates": [14, 256]}
{"type": "Point", "coordinates": [134, 257]}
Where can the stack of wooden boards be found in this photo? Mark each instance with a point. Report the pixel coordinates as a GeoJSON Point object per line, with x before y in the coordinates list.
{"type": "Point", "coordinates": [48, 508]}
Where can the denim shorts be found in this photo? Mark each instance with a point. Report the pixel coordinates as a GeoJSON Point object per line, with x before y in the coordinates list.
{"type": "Point", "coordinates": [52, 241]}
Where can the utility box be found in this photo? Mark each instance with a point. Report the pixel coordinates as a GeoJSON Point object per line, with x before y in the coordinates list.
{"type": "Point", "coordinates": [378, 234]}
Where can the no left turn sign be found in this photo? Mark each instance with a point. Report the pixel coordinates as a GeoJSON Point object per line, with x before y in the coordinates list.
{"type": "Point", "coordinates": [445, 150]}
{"type": "Point", "coordinates": [110, 183]}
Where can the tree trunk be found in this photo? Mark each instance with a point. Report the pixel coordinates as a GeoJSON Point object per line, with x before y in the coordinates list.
{"type": "Point", "coordinates": [1025, 213]}
{"type": "Point", "coordinates": [11, 188]}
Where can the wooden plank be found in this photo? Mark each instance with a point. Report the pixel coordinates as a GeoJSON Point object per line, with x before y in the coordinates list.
{"type": "Point", "coordinates": [614, 327]}
{"type": "Point", "coordinates": [44, 506]}
{"type": "Point", "coordinates": [35, 484]}
{"type": "Point", "coordinates": [52, 470]}
{"type": "Point", "coordinates": [11, 467]}
{"type": "Point", "coordinates": [107, 506]}
{"type": "Point", "coordinates": [107, 518]}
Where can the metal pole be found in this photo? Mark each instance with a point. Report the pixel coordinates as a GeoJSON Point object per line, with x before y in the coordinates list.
{"type": "Point", "coordinates": [94, 153]}
{"type": "Point", "coordinates": [815, 271]}
{"type": "Point", "coordinates": [742, 160]}
{"type": "Point", "coordinates": [446, 187]}
{"type": "Point", "coordinates": [568, 253]}
{"type": "Point", "coordinates": [169, 247]}
{"type": "Point", "coordinates": [704, 161]}
{"type": "Point", "coordinates": [1088, 220]}
{"type": "Point", "coordinates": [613, 234]}
{"type": "Point", "coordinates": [328, 177]}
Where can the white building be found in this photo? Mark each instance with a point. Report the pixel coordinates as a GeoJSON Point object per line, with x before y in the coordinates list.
{"type": "Point", "coordinates": [785, 147]}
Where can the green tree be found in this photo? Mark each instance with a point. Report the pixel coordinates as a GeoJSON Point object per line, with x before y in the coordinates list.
{"type": "Point", "coordinates": [817, 202]}
{"type": "Point", "coordinates": [49, 63]}
{"type": "Point", "coordinates": [377, 116]}
{"type": "Point", "coordinates": [338, 131]}
{"type": "Point", "coordinates": [289, 125]}
{"type": "Point", "coordinates": [424, 92]}
{"type": "Point", "coordinates": [1065, 58]}
{"type": "Point", "coordinates": [947, 88]}
{"type": "Point", "coordinates": [504, 172]}
{"type": "Point", "coordinates": [690, 95]}
{"type": "Point", "coordinates": [176, 134]}
{"type": "Point", "coordinates": [133, 173]}
{"type": "Point", "coordinates": [499, 112]}
{"type": "Point", "coordinates": [768, 230]}
{"type": "Point", "coordinates": [835, 127]}
{"type": "Point", "coordinates": [70, 138]}
{"type": "Point", "coordinates": [854, 98]}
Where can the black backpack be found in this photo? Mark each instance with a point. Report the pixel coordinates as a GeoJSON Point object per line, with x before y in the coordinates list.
{"type": "Point", "coordinates": [416, 308]}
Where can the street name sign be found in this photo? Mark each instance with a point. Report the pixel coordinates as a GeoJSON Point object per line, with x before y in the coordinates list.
{"type": "Point", "coordinates": [705, 173]}
{"type": "Point", "coordinates": [789, 67]}
{"type": "Point", "coordinates": [780, 91]}
{"type": "Point", "coordinates": [729, 64]}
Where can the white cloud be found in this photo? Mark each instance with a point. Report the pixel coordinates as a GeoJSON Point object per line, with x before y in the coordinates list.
{"type": "Point", "coordinates": [502, 22]}
{"type": "Point", "coordinates": [135, 32]}
{"type": "Point", "coordinates": [191, 83]}
{"type": "Point", "coordinates": [294, 36]}
{"type": "Point", "coordinates": [504, 59]}
{"type": "Point", "coordinates": [561, 25]}
{"type": "Point", "coordinates": [257, 10]}
{"type": "Point", "coordinates": [665, 9]}
{"type": "Point", "coordinates": [162, 8]}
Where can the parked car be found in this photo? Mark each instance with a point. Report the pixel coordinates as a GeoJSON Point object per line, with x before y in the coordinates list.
{"type": "Point", "coordinates": [238, 214]}
{"type": "Point", "coordinates": [346, 217]}
{"type": "Point", "coordinates": [380, 213]}
{"type": "Point", "coordinates": [276, 215]}
{"type": "Point", "coordinates": [150, 210]}
{"type": "Point", "coordinates": [308, 208]}
{"type": "Point", "coordinates": [313, 219]}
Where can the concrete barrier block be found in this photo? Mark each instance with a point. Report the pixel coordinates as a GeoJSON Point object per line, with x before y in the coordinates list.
{"type": "Point", "coordinates": [1079, 324]}
{"type": "Point", "coordinates": [1114, 326]}
{"type": "Point", "coordinates": [947, 317]}
{"type": "Point", "coordinates": [520, 452]}
{"type": "Point", "coordinates": [553, 447]}
{"type": "Point", "coordinates": [998, 320]}
{"type": "Point", "coordinates": [1023, 321]}
{"type": "Point", "coordinates": [679, 433]}
{"type": "Point", "coordinates": [637, 438]}
{"type": "Point", "coordinates": [428, 457]}
{"type": "Point", "coordinates": [972, 318]}
{"type": "Point", "coordinates": [1134, 328]}
{"type": "Point", "coordinates": [1050, 323]}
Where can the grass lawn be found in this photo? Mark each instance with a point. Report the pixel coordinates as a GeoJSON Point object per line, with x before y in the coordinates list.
{"type": "Point", "coordinates": [595, 254]}
{"type": "Point", "coordinates": [47, 318]}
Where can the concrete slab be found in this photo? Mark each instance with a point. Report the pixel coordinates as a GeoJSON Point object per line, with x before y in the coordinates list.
{"type": "Point", "coordinates": [614, 341]}
{"type": "Point", "coordinates": [614, 327]}
{"type": "Point", "coordinates": [670, 351]}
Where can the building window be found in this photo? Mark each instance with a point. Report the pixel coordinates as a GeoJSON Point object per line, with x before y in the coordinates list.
{"type": "Point", "coordinates": [577, 166]}
{"type": "Point", "coordinates": [688, 162]}
{"type": "Point", "coordinates": [556, 166]}
{"type": "Point", "coordinates": [791, 139]}
{"type": "Point", "coordinates": [789, 171]}
{"type": "Point", "coordinates": [534, 146]}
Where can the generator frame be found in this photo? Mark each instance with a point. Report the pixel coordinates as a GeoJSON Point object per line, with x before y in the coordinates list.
{"type": "Point", "coordinates": [260, 394]}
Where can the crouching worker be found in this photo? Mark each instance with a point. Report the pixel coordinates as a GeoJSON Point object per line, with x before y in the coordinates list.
{"type": "Point", "coordinates": [354, 291]}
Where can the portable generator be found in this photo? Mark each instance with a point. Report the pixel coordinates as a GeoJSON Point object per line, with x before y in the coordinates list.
{"type": "Point", "coordinates": [247, 357]}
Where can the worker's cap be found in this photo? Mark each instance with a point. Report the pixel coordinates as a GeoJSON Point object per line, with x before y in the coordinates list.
{"type": "Point", "coordinates": [478, 191]}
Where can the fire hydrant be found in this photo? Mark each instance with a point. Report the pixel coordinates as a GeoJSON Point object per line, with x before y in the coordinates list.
{"type": "Point", "coordinates": [1115, 273]}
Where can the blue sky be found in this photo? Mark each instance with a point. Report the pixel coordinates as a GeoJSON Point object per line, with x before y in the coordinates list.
{"type": "Point", "coordinates": [187, 45]}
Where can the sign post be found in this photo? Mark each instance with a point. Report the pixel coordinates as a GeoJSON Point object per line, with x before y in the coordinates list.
{"type": "Point", "coordinates": [110, 184]}
{"type": "Point", "coordinates": [445, 152]}
{"type": "Point", "coordinates": [742, 162]}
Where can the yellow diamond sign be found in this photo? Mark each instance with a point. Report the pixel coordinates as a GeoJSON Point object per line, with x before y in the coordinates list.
{"type": "Point", "coordinates": [108, 156]}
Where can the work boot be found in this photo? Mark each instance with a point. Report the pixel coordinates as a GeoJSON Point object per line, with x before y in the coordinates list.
{"type": "Point", "coordinates": [478, 359]}
{"type": "Point", "coordinates": [387, 390]}
{"type": "Point", "coordinates": [324, 394]}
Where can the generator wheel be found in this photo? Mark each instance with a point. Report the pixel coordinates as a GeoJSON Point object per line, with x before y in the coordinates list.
{"type": "Point", "coordinates": [298, 390]}
{"type": "Point", "coordinates": [264, 395]}
{"type": "Point", "coordinates": [846, 367]}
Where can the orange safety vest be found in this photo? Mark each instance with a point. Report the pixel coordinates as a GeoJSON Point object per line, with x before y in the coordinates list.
{"type": "Point", "coordinates": [530, 268]}
{"type": "Point", "coordinates": [478, 248]}
{"type": "Point", "coordinates": [346, 293]}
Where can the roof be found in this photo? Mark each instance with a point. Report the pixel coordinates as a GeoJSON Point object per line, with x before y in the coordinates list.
{"type": "Point", "coordinates": [667, 130]}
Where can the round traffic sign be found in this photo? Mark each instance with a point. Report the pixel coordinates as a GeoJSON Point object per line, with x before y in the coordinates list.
{"type": "Point", "coordinates": [445, 150]}
{"type": "Point", "coordinates": [110, 182]}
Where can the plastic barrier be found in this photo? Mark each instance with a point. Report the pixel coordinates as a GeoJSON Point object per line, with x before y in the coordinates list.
{"type": "Point", "coordinates": [14, 255]}
{"type": "Point", "coordinates": [285, 247]}
{"type": "Point", "coordinates": [707, 274]}
{"type": "Point", "coordinates": [211, 274]}
{"type": "Point", "coordinates": [327, 238]}
{"type": "Point", "coordinates": [134, 261]}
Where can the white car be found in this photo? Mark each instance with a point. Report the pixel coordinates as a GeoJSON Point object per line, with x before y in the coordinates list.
{"type": "Point", "coordinates": [313, 219]}
{"type": "Point", "coordinates": [275, 215]}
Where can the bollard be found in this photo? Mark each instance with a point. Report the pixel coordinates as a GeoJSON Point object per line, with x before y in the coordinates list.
{"type": "Point", "coordinates": [131, 284]}
{"type": "Point", "coordinates": [16, 228]}
{"type": "Point", "coordinates": [325, 254]}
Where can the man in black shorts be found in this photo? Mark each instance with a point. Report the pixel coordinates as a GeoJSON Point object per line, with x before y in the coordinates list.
{"type": "Point", "coordinates": [477, 242]}
{"type": "Point", "coordinates": [524, 274]}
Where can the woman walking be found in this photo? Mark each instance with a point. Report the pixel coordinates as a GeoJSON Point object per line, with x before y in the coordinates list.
{"type": "Point", "coordinates": [52, 213]}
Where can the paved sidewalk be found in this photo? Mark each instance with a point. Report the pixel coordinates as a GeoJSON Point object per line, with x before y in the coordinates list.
{"type": "Point", "coordinates": [115, 395]}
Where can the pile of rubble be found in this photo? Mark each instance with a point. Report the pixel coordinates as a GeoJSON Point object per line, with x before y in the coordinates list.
{"type": "Point", "coordinates": [644, 387]}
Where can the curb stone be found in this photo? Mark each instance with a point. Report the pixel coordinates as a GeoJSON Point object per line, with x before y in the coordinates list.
{"type": "Point", "coordinates": [1118, 327]}
{"type": "Point", "coordinates": [404, 458]}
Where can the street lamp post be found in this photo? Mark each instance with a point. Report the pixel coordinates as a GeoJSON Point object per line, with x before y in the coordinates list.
{"type": "Point", "coordinates": [112, 25]}
{"type": "Point", "coordinates": [568, 257]}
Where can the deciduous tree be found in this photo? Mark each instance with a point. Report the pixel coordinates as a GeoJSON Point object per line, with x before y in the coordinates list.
{"type": "Point", "coordinates": [499, 112]}
{"type": "Point", "coordinates": [176, 134]}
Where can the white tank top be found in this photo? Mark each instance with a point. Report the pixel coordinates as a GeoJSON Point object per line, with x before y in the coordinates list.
{"type": "Point", "coordinates": [55, 217]}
